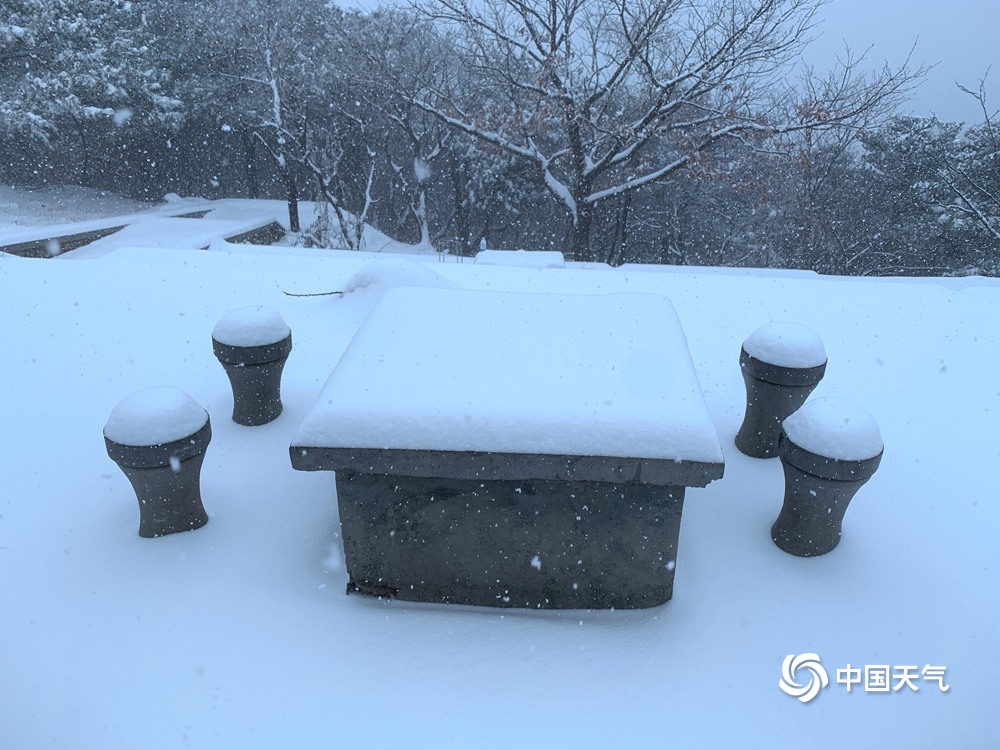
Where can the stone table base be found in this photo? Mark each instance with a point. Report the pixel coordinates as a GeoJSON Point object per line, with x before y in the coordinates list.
{"type": "Point", "coordinates": [537, 544]}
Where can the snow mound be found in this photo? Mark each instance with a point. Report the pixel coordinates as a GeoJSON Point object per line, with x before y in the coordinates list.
{"type": "Point", "coordinates": [254, 325]}
{"type": "Point", "coordinates": [786, 344]}
{"type": "Point", "coordinates": [154, 416]}
{"type": "Point", "coordinates": [835, 428]}
{"type": "Point", "coordinates": [521, 258]}
{"type": "Point", "coordinates": [390, 273]}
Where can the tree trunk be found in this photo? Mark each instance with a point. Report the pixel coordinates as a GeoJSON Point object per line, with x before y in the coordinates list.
{"type": "Point", "coordinates": [620, 234]}
{"type": "Point", "coordinates": [253, 185]}
{"type": "Point", "coordinates": [463, 227]}
{"type": "Point", "coordinates": [580, 250]}
{"type": "Point", "coordinates": [84, 174]}
{"type": "Point", "coordinates": [292, 193]}
{"type": "Point", "coordinates": [418, 208]}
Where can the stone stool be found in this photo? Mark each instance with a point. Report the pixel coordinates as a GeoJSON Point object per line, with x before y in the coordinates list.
{"type": "Point", "coordinates": [158, 438]}
{"type": "Point", "coordinates": [253, 344]}
{"type": "Point", "coordinates": [829, 448]}
{"type": "Point", "coordinates": [782, 363]}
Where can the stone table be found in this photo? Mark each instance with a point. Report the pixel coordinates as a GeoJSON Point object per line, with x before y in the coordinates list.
{"type": "Point", "coordinates": [513, 450]}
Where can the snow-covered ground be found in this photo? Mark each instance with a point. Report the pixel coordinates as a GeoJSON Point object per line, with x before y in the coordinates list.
{"type": "Point", "coordinates": [240, 635]}
{"type": "Point", "coordinates": [59, 204]}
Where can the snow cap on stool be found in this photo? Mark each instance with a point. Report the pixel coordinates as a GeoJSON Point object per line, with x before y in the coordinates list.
{"type": "Point", "coordinates": [786, 344]}
{"type": "Point", "coordinates": [834, 428]}
{"type": "Point", "coordinates": [154, 416]}
{"type": "Point", "coordinates": [254, 325]}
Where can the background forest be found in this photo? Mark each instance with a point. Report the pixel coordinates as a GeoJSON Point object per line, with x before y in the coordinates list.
{"type": "Point", "coordinates": [683, 132]}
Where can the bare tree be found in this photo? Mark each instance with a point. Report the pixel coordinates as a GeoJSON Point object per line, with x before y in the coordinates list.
{"type": "Point", "coordinates": [271, 131]}
{"type": "Point", "coordinates": [258, 68]}
{"type": "Point", "coordinates": [605, 97]}
{"type": "Point", "coordinates": [270, 72]}
{"type": "Point", "coordinates": [974, 175]}
{"type": "Point", "coordinates": [395, 55]}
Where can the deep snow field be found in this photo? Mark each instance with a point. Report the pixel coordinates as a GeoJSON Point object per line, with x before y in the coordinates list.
{"type": "Point", "coordinates": [240, 635]}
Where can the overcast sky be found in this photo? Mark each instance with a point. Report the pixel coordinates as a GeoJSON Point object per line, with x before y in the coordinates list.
{"type": "Point", "coordinates": [960, 37]}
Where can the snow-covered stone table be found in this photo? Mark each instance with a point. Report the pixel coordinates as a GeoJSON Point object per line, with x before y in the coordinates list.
{"type": "Point", "coordinates": [513, 449]}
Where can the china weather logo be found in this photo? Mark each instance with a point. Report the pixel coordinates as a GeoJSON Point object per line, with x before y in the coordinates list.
{"type": "Point", "coordinates": [793, 666]}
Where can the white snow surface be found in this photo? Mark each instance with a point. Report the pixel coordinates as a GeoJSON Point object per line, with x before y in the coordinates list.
{"type": "Point", "coordinates": [522, 258]}
{"type": "Point", "coordinates": [153, 416]}
{"type": "Point", "coordinates": [251, 325]}
{"type": "Point", "coordinates": [835, 428]}
{"type": "Point", "coordinates": [786, 344]}
{"type": "Point", "coordinates": [54, 205]}
{"type": "Point", "coordinates": [392, 272]}
{"type": "Point", "coordinates": [239, 634]}
{"type": "Point", "coordinates": [580, 375]}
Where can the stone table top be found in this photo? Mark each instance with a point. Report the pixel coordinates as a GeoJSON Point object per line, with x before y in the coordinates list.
{"type": "Point", "coordinates": [442, 382]}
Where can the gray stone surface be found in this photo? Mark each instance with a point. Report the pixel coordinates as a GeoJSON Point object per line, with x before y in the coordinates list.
{"type": "Point", "coordinates": [509, 530]}
{"type": "Point", "coordinates": [818, 491]}
{"type": "Point", "coordinates": [266, 234]}
{"type": "Point", "coordinates": [485, 466]}
{"type": "Point", "coordinates": [255, 377]}
{"type": "Point", "coordinates": [167, 481]}
{"type": "Point", "coordinates": [510, 543]}
{"type": "Point", "coordinates": [40, 248]}
{"type": "Point", "coordinates": [773, 393]}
